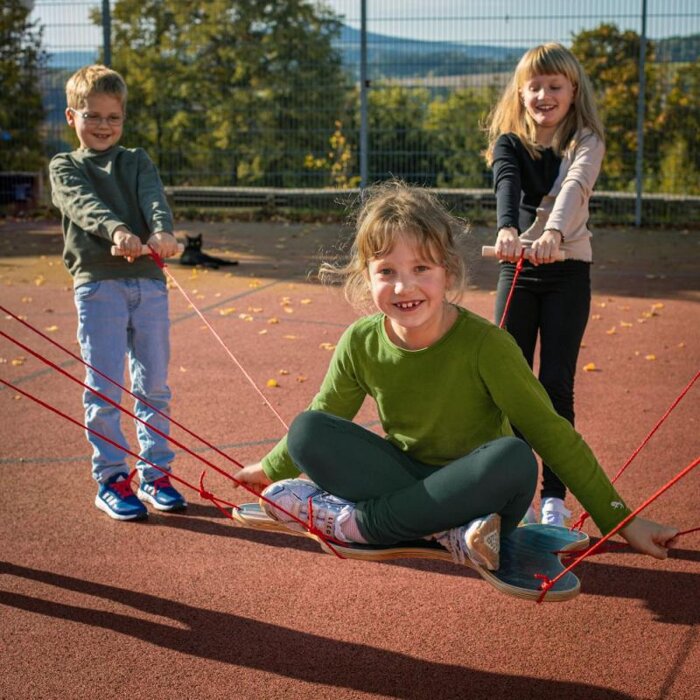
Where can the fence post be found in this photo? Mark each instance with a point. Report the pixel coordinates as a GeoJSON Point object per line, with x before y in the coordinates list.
{"type": "Point", "coordinates": [364, 85]}
{"type": "Point", "coordinates": [641, 106]}
{"type": "Point", "coordinates": [107, 33]}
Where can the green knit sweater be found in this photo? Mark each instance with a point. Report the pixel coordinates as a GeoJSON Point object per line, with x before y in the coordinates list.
{"type": "Point", "coordinates": [446, 400]}
{"type": "Point", "coordinates": [97, 191]}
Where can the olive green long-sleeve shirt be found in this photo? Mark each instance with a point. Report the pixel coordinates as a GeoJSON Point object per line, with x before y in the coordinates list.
{"type": "Point", "coordinates": [444, 401]}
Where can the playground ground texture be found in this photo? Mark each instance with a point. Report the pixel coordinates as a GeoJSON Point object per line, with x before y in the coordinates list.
{"type": "Point", "coordinates": [190, 605]}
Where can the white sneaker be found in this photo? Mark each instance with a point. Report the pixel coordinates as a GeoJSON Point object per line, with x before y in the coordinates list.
{"type": "Point", "coordinates": [530, 517]}
{"type": "Point", "coordinates": [479, 541]}
{"type": "Point", "coordinates": [293, 497]}
{"type": "Point", "coordinates": [554, 512]}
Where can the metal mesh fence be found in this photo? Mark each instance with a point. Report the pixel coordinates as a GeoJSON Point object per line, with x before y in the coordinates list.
{"type": "Point", "coordinates": [236, 94]}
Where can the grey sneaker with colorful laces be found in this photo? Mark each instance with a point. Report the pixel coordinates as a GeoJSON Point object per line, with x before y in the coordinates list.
{"type": "Point", "coordinates": [479, 542]}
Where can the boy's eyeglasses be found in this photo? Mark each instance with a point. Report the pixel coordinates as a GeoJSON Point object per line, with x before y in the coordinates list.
{"type": "Point", "coordinates": [92, 119]}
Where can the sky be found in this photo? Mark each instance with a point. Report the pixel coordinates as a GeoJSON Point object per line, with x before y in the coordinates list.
{"type": "Point", "coordinates": [497, 22]}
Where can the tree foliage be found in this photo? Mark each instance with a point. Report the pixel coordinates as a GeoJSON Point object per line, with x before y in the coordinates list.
{"type": "Point", "coordinates": [219, 87]}
{"type": "Point", "coordinates": [252, 92]}
{"type": "Point", "coordinates": [21, 111]}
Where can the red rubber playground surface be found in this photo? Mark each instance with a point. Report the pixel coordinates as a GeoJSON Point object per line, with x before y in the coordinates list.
{"type": "Point", "coordinates": [189, 605]}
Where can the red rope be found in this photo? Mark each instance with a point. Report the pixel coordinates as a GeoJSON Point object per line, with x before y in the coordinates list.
{"type": "Point", "coordinates": [548, 583]}
{"type": "Point", "coordinates": [117, 384]}
{"type": "Point", "coordinates": [251, 381]}
{"type": "Point", "coordinates": [584, 516]}
{"type": "Point", "coordinates": [200, 490]}
{"type": "Point", "coordinates": [115, 444]}
{"type": "Point", "coordinates": [518, 269]}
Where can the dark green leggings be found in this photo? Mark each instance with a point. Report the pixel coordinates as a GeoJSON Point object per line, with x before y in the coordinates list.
{"type": "Point", "coordinates": [400, 499]}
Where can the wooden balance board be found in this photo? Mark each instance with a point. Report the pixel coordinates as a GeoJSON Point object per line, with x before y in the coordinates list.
{"type": "Point", "coordinates": [525, 552]}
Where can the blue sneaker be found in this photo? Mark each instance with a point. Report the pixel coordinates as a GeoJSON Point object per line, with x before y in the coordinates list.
{"type": "Point", "coordinates": [116, 498]}
{"type": "Point", "coordinates": [294, 495]}
{"type": "Point", "coordinates": [161, 494]}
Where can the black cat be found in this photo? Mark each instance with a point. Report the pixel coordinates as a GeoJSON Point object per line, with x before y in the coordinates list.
{"type": "Point", "coordinates": [193, 255]}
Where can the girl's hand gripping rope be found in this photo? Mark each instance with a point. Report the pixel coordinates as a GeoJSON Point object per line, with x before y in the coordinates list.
{"type": "Point", "coordinates": [254, 477]}
{"type": "Point", "coordinates": [489, 251]}
{"type": "Point", "coordinates": [650, 538]}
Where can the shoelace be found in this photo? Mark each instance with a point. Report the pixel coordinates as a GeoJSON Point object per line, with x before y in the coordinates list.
{"type": "Point", "coordinates": [453, 540]}
{"type": "Point", "coordinates": [161, 483]}
{"type": "Point", "coordinates": [123, 487]}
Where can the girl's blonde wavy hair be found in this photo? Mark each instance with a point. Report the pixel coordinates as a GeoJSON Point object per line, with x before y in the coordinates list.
{"type": "Point", "coordinates": [94, 80]}
{"type": "Point", "coordinates": [389, 210]}
{"type": "Point", "coordinates": [510, 116]}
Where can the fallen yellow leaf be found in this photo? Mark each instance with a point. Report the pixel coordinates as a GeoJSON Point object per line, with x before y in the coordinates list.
{"type": "Point", "coordinates": [650, 357]}
{"type": "Point", "coordinates": [284, 372]}
{"type": "Point", "coordinates": [272, 383]}
{"type": "Point", "coordinates": [51, 329]}
{"type": "Point", "coordinates": [590, 367]}
{"type": "Point", "coordinates": [625, 324]}
{"type": "Point", "coordinates": [301, 378]}
{"type": "Point", "coordinates": [305, 301]}
{"type": "Point", "coordinates": [611, 331]}
{"type": "Point", "coordinates": [263, 332]}
{"type": "Point", "coordinates": [658, 305]}
{"type": "Point", "coordinates": [182, 369]}
{"type": "Point", "coordinates": [19, 361]}
{"type": "Point", "coordinates": [596, 317]}
{"type": "Point", "coordinates": [273, 320]}
{"type": "Point", "coordinates": [327, 346]}
{"type": "Point", "coordinates": [228, 310]}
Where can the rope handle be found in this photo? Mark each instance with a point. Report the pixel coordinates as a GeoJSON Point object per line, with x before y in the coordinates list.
{"type": "Point", "coordinates": [145, 250]}
{"type": "Point", "coordinates": [489, 251]}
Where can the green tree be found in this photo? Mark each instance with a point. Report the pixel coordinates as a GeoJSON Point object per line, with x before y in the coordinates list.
{"type": "Point", "coordinates": [399, 145]}
{"type": "Point", "coordinates": [21, 111]}
{"type": "Point", "coordinates": [229, 92]}
{"type": "Point", "coordinates": [453, 121]}
{"type": "Point", "coordinates": [610, 57]}
{"type": "Point", "coordinates": [678, 126]}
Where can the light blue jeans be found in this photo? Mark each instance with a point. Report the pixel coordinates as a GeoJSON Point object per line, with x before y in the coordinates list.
{"type": "Point", "coordinates": [117, 318]}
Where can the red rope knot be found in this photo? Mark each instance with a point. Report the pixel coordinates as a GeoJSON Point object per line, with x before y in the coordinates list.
{"type": "Point", "coordinates": [156, 258]}
{"type": "Point", "coordinates": [208, 496]}
{"type": "Point", "coordinates": [579, 523]}
{"type": "Point", "coordinates": [544, 586]}
{"type": "Point", "coordinates": [315, 531]}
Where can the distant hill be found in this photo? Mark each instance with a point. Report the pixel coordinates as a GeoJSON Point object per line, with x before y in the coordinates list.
{"type": "Point", "coordinates": [679, 49]}
{"type": "Point", "coordinates": [396, 57]}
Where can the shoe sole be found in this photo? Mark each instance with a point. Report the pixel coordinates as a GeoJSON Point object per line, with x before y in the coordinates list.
{"type": "Point", "coordinates": [143, 496]}
{"type": "Point", "coordinates": [485, 542]}
{"type": "Point", "coordinates": [116, 516]}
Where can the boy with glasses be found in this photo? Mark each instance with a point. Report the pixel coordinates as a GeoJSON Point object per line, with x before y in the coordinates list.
{"type": "Point", "coordinates": [108, 196]}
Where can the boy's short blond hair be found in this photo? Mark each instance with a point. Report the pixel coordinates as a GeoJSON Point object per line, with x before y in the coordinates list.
{"type": "Point", "coordinates": [94, 80]}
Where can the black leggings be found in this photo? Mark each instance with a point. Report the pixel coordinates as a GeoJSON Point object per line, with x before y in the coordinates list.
{"type": "Point", "coordinates": [400, 499]}
{"type": "Point", "coordinates": [552, 301]}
